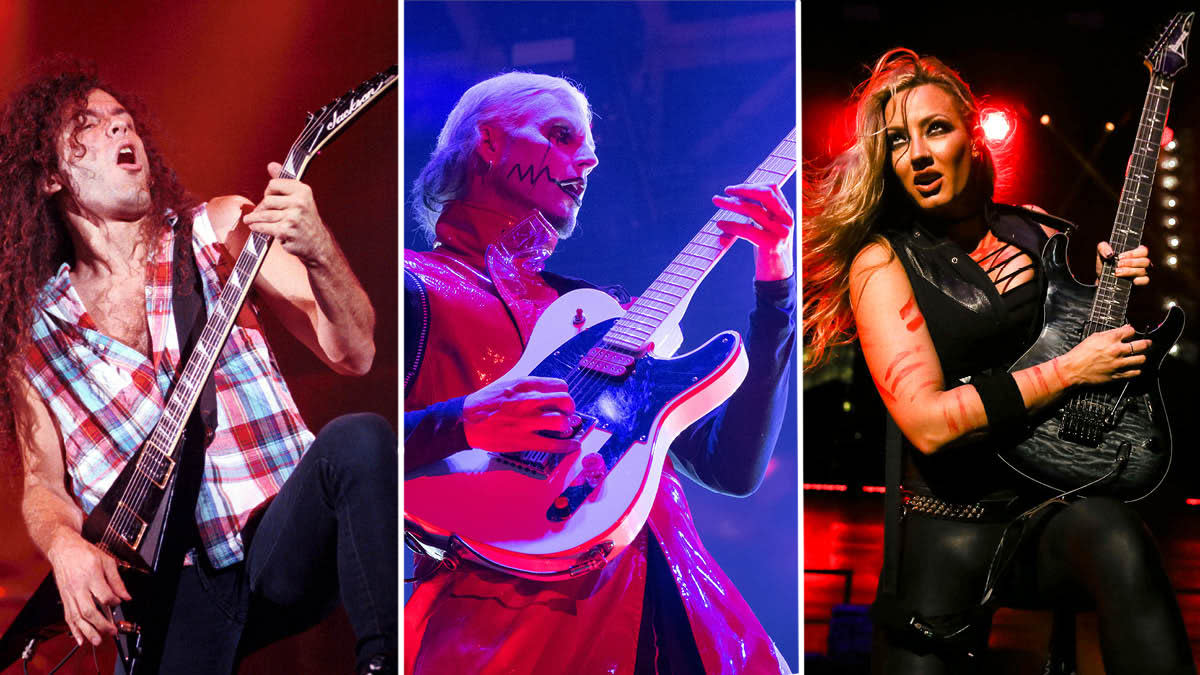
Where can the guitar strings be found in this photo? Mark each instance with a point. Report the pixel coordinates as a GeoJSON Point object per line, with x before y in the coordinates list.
{"type": "Point", "coordinates": [585, 384]}
{"type": "Point", "coordinates": [1108, 285]}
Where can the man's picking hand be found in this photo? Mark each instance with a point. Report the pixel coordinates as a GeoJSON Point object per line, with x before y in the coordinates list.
{"type": "Point", "coordinates": [89, 586]}
{"type": "Point", "coordinates": [507, 416]}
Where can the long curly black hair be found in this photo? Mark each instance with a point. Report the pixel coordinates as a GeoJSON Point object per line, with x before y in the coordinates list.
{"type": "Point", "coordinates": [34, 240]}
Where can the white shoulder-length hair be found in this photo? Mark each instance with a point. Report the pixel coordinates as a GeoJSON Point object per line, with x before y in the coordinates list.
{"type": "Point", "coordinates": [502, 99]}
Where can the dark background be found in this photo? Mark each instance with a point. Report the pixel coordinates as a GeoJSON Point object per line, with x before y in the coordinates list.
{"type": "Point", "coordinates": [689, 98]}
{"type": "Point", "coordinates": [1083, 67]}
{"type": "Point", "coordinates": [228, 84]}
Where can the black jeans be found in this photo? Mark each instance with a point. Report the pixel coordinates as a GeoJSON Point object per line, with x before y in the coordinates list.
{"type": "Point", "coordinates": [331, 530]}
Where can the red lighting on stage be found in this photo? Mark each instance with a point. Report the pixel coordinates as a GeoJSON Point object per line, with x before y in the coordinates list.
{"type": "Point", "coordinates": [825, 487]}
{"type": "Point", "coordinates": [1168, 135]}
{"type": "Point", "coordinates": [997, 125]}
{"type": "Point", "coordinates": [1192, 501]}
{"type": "Point", "coordinates": [877, 489]}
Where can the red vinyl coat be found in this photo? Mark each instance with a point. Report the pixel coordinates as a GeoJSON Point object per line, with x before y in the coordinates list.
{"type": "Point", "coordinates": [485, 295]}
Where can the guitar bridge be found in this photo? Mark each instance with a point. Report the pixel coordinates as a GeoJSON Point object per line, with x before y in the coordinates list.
{"type": "Point", "coordinates": [537, 464]}
{"type": "Point", "coordinates": [1083, 421]}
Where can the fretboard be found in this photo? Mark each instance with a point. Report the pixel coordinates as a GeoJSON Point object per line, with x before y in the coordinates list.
{"type": "Point", "coordinates": [1112, 293]}
{"type": "Point", "coordinates": [160, 451]}
{"type": "Point", "coordinates": [675, 286]}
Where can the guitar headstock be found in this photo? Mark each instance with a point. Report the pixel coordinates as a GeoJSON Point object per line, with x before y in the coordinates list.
{"type": "Point", "coordinates": [1168, 54]}
{"type": "Point", "coordinates": [325, 124]}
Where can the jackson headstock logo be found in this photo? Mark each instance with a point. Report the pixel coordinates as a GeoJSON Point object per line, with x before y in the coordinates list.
{"type": "Point", "coordinates": [355, 104]}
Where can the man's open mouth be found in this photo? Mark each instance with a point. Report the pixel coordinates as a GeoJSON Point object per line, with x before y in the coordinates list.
{"type": "Point", "coordinates": [574, 188]}
{"type": "Point", "coordinates": [126, 156]}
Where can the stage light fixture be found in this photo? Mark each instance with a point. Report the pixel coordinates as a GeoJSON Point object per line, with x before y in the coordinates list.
{"type": "Point", "coordinates": [1109, 126]}
{"type": "Point", "coordinates": [1170, 182]}
{"type": "Point", "coordinates": [1172, 222]}
{"type": "Point", "coordinates": [1170, 163]}
{"type": "Point", "coordinates": [1171, 202]}
{"type": "Point", "coordinates": [1045, 120]}
{"type": "Point", "coordinates": [1171, 146]}
{"type": "Point", "coordinates": [997, 126]}
{"type": "Point", "coordinates": [1169, 304]}
{"type": "Point", "coordinates": [1172, 261]}
{"type": "Point", "coordinates": [1173, 242]}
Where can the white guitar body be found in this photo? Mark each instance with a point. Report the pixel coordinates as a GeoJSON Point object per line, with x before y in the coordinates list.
{"type": "Point", "coordinates": [482, 507]}
{"type": "Point", "coordinates": [545, 516]}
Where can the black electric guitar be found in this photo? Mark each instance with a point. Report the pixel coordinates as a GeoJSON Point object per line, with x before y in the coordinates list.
{"type": "Point", "coordinates": [1113, 439]}
{"type": "Point", "coordinates": [137, 520]}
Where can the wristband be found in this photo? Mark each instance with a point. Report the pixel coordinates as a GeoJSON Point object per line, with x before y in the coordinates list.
{"type": "Point", "coordinates": [1002, 402]}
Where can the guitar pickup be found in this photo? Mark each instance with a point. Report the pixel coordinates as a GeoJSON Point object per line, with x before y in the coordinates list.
{"type": "Point", "coordinates": [158, 469]}
{"type": "Point", "coordinates": [127, 525]}
{"type": "Point", "coordinates": [607, 361]}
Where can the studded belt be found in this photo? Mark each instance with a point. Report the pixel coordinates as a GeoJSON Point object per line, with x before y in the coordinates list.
{"type": "Point", "coordinates": [940, 508]}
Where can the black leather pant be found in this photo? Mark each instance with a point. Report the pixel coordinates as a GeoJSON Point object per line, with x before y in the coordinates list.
{"type": "Point", "coordinates": [1094, 554]}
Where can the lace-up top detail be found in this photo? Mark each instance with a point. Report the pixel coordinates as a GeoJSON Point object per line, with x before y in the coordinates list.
{"type": "Point", "coordinates": [1004, 266]}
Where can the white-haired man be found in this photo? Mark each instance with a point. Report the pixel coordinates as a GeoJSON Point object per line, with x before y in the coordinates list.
{"type": "Point", "coordinates": [516, 143]}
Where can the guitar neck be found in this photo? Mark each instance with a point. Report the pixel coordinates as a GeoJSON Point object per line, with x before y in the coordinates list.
{"type": "Point", "coordinates": [662, 304]}
{"type": "Point", "coordinates": [163, 441]}
{"type": "Point", "coordinates": [1112, 293]}
{"type": "Point", "coordinates": [160, 452]}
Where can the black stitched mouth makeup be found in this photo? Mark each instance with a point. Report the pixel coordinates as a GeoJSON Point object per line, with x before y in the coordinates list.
{"type": "Point", "coordinates": [574, 187]}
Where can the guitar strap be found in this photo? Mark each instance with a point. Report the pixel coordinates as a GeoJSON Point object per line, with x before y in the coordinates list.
{"type": "Point", "coordinates": [187, 302]}
{"type": "Point", "coordinates": [179, 534]}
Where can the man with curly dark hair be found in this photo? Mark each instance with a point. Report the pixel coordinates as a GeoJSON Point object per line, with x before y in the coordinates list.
{"type": "Point", "coordinates": [89, 217]}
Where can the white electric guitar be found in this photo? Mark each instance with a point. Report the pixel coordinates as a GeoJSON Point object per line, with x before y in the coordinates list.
{"type": "Point", "coordinates": [549, 516]}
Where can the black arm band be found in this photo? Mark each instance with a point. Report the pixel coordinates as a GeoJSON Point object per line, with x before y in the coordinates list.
{"type": "Point", "coordinates": [1002, 402]}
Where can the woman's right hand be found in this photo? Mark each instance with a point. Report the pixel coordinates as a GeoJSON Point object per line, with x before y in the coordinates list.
{"type": "Point", "coordinates": [526, 413]}
{"type": "Point", "coordinates": [1105, 356]}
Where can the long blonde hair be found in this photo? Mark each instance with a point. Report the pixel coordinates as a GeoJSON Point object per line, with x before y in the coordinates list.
{"type": "Point", "coordinates": [845, 201]}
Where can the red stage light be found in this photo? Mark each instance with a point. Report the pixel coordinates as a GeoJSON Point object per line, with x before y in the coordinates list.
{"type": "Point", "coordinates": [1168, 135]}
{"type": "Point", "coordinates": [997, 125]}
{"type": "Point", "coordinates": [876, 489]}
{"type": "Point", "coordinates": [825, 487]}
{"type": "Point", "coordinates": [1192, 501]}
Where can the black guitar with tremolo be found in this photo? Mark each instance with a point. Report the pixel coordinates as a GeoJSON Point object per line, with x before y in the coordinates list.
{"type": "Point", "coordinates": [1112, 439]}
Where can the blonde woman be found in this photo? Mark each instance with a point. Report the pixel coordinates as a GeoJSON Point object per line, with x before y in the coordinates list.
{"type": "Point", "coordinates": [905, 250]}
